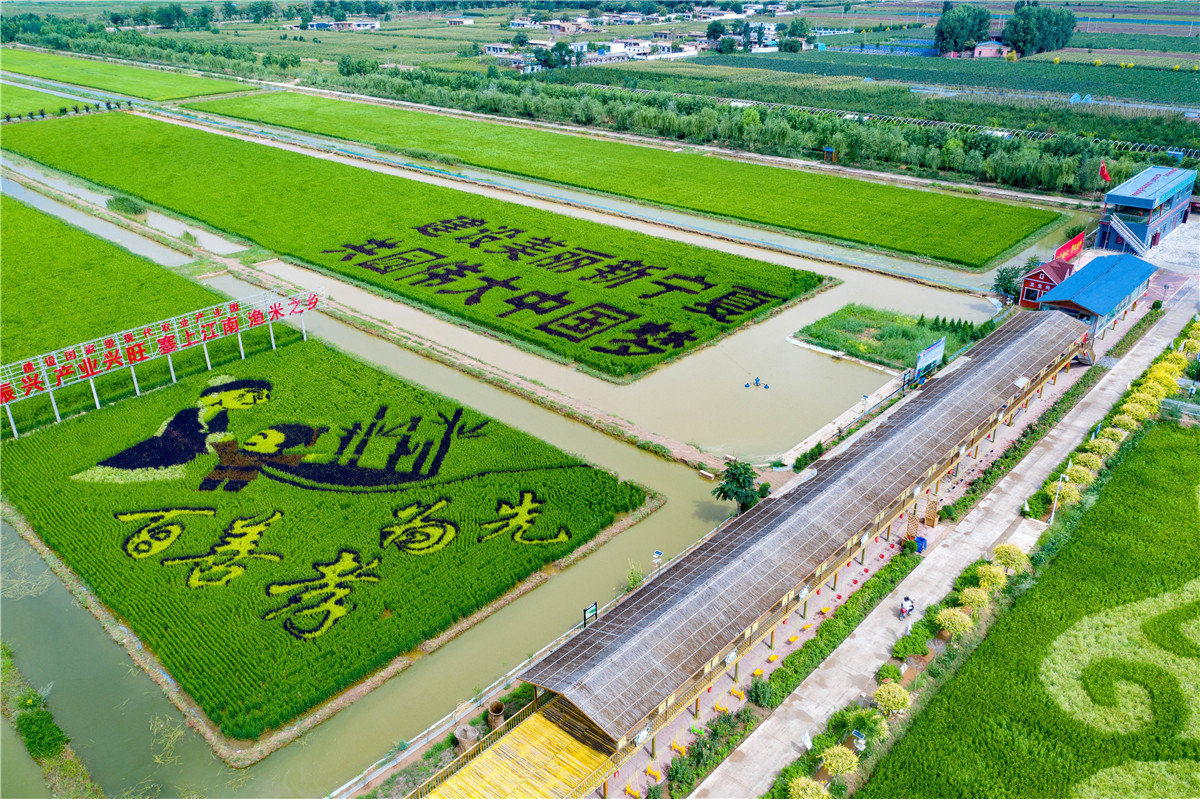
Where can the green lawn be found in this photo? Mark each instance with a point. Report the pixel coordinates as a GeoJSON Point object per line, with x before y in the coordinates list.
{"type": "Point", "coordinates": [268, 582]}
{"type": "Point", "coordinates": [616, 301]}
{"type": "Point", "coordinates": [19, 100]}
{"type": "Point", "coordinates": [1089, 687]}
{"type": "Point", "coordinates": [148, 84]}
{"type": "Point", "coordinates": [957, 229]}
{"type": "Point", "coordinates": [886, 337]}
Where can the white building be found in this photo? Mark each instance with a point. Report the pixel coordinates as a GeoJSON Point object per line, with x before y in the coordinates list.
{"type": "Point", "coordinates": [456, 21]}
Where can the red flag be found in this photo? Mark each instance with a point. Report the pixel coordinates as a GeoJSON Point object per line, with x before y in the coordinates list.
{"type": "Point", "coordinates": [1104, 172]}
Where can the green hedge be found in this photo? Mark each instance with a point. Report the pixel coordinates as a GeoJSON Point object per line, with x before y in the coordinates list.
{"type": "Point", "coordinates": [720, 736]}
{"type": "Point", "coordinates": [794, 668]}
{"type": "Point", "coordinates": [43, 738]}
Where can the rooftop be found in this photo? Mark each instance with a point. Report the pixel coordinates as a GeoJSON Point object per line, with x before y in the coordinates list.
{"type": "Point", "coordinates": [1056, 270]}
{"type": "Point", "coordinates": [1150, 186]}
{"type": "Point", "coordinates": [1102, 284]}
{"type": "Point", "coordinates": [618, 670]}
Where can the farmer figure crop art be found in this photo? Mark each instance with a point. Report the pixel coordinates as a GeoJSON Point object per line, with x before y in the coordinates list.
{"type": "Point", "coordinates": [240, 465]}
{"type": "Point", "coordinates": [184, 437]}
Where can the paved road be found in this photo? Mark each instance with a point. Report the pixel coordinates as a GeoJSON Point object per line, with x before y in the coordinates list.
{"type": "Point", "coordinates": [849, 672]}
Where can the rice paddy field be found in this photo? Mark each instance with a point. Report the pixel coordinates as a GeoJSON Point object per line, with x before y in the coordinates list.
{"type": "Point", "coordinates": [970, 231]}
{"type": "Point", "coordinates": [1089, 687]}
{"type": "Point", "coordinates": [19, 100]}
{"type": "Point", "coordinates": [148, 84]}
{"type": "Point", "coordinates": [280, 527]}
{"type": "Point", "coordinates": [886, 337]}
{"type": "Point", "coordinates": [988, 73]}
{"type": "Point", "coordinates": [616, 301]}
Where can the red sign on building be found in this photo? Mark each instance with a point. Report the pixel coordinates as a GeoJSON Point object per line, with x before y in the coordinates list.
{"type": "Point", "coordinates": [1070, 249]}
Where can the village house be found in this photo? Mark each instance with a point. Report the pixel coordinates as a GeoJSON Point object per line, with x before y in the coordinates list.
{"type": "Point", "coordinates": [497, 49]}
{"type": "Point", "coordinates": [457, 21]}
{"type": "Point", "coordinates": [521, 23]}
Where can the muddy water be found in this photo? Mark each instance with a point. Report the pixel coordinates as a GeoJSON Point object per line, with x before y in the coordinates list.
{"type": "Point", "coordinates": [20, 776]}
{"type": "Point", "coordinates": [702, 398]}
{"type": "Point", "coordinates": [113, 711]}
{"type": "Point", "coordinates": [209, 241]}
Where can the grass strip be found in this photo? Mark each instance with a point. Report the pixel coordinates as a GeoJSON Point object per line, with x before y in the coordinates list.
{"type": "Point", "coordinates": [148, 84]}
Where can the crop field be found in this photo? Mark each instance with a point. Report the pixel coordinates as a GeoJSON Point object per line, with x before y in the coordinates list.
{"type": "Point", "coordinates": [1022, 76]}
{"type": "Point", "coordinates": [147, 84]}
{"type": "Point", "coordinates": [971, 231]}
{"type": "Point", "coordinates": [278, 528]}
{"type": "Point", "coordinates": [1136, 41]}
{"type": "Point", "coordinates": [616, 301]}
{"type": "Point", "coordinates": [340, 518]}
{"type": "Point", "coordinates": [19, 100]}
{"type": "Point", "coordinates": [49, 308]}
{"type": "Point", "coordinates": [1089, 687]}
{"type": "Point", "coordinates": [886, 337]}
{"type": "Point", "coordinates": [1114, 60]}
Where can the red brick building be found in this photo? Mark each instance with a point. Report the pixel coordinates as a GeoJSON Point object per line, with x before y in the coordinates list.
{"type": "Point", "coordinates": [1041, 280]}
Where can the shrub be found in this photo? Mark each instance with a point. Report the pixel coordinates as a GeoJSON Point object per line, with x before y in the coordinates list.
{"type": "Point", "coordinates": [806, 788]}
{"type": "Point", "coordinates": [125, 205]}
{"type": "Point", "coordinates": [1010, 556]}
{"type": "Point", "coordinates": [760, 692]}
{"type": "Point", "coordinates": [1102, 446]}
{"type": "Point", "coordinates": [42, 736]}
{"type": "Point", "coordinates": [1069, 495]}
{"type": "Point", "coordinates": [1191, 346]}
{"type": "Point", "coordinates": [1137, 410]}
{"type": "Point", "coordinates": [917, 643]}
{"type": "Point", "coordinates": [1089, 460]}
{"type": "Point", "coordinates": [992, 577]}
{"type": "Point", "coordinates": [1112, 434]}
{"type": "Point", "coordinates": [890, 698]}
{"type": "Point", "coordinates": [954, 621]}
{"type": "Point", "coordinates": [840, 760]}
{"type": "Point", "coordinates": [1081, 475]}
{"type": "Point", "coordinates": [888, 671]}
{"type": "Point", "coordinates": [974, 598]}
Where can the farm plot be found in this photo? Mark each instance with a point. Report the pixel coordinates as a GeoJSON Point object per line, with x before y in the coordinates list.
{"type": "Point", "coordinates": [971, 231]}
{"type": "Point", "coordinates": [1089, 686]}
{"type": "Point", "coordinates": [27, 102]}
{"type": "Point", "coordinates": [336, 518]}
{"type": "Point", "coordinates": [1024, 76]}
{"type": "Point", "coordinates": [279, 528]}
{"type": "Point", "coordinates": [48, 295]}
{"type": "Point", "coordinates": [886, 337]}
{"type": "Point", "coordinates": [148, 84]}
{"type": "Point", "coordinates": [615, 301]}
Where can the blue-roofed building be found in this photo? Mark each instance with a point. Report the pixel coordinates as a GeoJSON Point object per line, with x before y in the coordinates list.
{"type": "Point", "coordinates": [1102, 290]}
{"type": "Point", "coordinates": [1143, 209]}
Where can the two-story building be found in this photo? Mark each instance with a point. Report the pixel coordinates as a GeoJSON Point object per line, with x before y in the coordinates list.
{"type": "Point", "coordinates": [1143, 209]}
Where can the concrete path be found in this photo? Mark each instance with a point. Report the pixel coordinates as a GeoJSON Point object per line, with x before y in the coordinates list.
{"type": "Point", "coordinates": [849, 672]}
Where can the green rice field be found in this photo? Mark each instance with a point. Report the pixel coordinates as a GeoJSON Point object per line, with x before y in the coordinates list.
{"type": "Point", "coordinates": [886, 337]}
{"type": "Point", "coordinates": [969, 231]}
{"type": "Point", "coordinates": [148, 84]}
{"type": "Point", "coordinates": [616, 301]}
{"type": "Point", "coordinates": [1089, 687]}
{"type": "Point", "coordinates": [19, 100]}
{"type": "Point", "coordinates": [279, 528]}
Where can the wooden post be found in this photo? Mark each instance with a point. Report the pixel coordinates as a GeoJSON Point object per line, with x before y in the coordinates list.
{"type": "Point", "coordinates": [604, 790]}
{"type": "Point", "coordinates": [653, 742]}
{"type": "Point", "coordinates": [696, 712]}
{"type": "Point", "coordinates": [804, 610]}
{"type": "Point", "coordinates": [835, 576]}
{"type": "Point", "coordinates": [736, 666]}
{"type": "Point", "coordinates": [771, 645]}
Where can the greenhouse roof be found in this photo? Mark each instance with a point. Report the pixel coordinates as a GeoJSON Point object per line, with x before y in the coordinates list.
{"type": "Point", "coordinates": [618, 670]}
